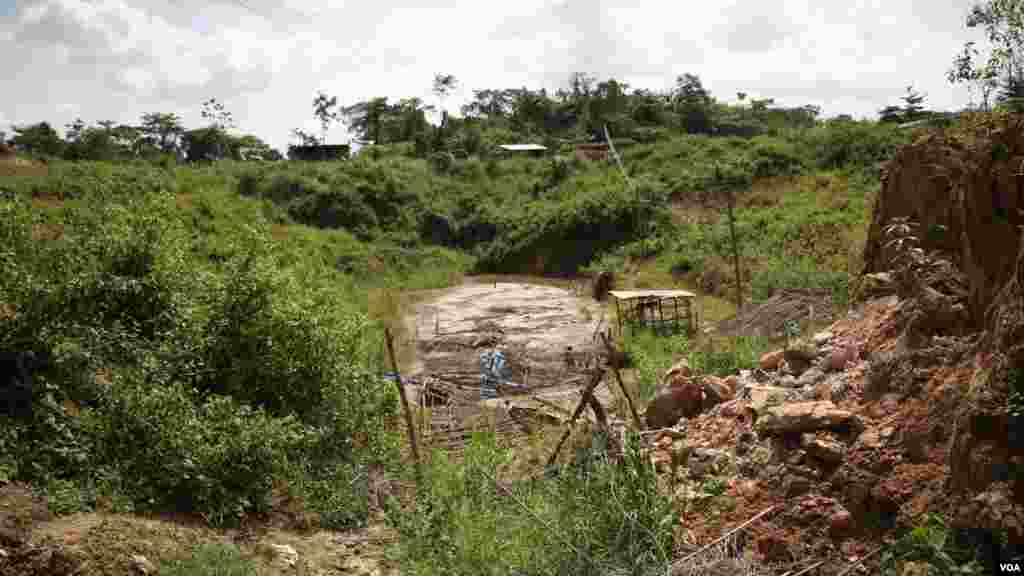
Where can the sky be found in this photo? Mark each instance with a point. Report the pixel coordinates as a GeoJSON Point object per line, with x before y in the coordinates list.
{"type": "Point", "coordinates": [266, 59]}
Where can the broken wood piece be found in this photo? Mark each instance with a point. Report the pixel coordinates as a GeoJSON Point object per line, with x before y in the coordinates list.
{"type": "Point", "coordinates": [584, 400]}
{"type": "Point", "coordinates": [618, 378]}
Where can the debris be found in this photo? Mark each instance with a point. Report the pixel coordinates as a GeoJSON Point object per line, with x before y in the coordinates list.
{"type": "Point", "coordinates": [667, 408]}
{"type": "Point", "coordinates": [803, 417]}
{"type": "Point", "coordinates": [141, 565]}
{"type": "Point", "coordinates": [285, 555]}
{"type": "Point", "coordinates": [771, 360]}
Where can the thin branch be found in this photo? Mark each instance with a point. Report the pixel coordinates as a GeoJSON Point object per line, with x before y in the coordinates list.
{"type": "Point", "coordinates": [677, 566]}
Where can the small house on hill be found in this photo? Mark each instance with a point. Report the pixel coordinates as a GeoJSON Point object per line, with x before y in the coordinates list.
{"type": "Point", "coordinates": [319, 152]}
{"type": "Point", "coordinates": [529, 149]}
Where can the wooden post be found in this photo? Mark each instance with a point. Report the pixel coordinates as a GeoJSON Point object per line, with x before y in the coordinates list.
{"type": "Point", "coordinates": [622, 385]}
{"type": "Point", "coordinates": [405, 406]}
{"type": "Point", "coordinates": [584, 401]}
{"type": "Point", "coordinates": [735, 252]}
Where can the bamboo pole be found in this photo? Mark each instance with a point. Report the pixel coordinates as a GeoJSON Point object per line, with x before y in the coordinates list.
{"type": "Point", "coordinates": [584, 400]}
{"type": "Point", "coordinates": [405, 406]}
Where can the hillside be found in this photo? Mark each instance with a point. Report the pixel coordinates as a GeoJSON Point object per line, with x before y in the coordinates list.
{"type": "Point", "coordinates": [198, 350]}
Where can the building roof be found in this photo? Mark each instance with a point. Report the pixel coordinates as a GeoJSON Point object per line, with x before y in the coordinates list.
{"type": "Point", "coordinates": [522, 147]}
{"type": "Point", "coordinates": [631, 294]}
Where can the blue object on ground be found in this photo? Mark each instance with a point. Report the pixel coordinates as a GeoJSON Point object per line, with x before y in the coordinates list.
{"type": "Point", "coordinates": [493, 372]}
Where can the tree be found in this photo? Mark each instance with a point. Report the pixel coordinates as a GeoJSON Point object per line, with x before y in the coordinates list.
{"type": "Point", "coordinates": [38, 138]}
{"type": "Point", "coordinates": [162, 130]}
{"type": "Point", "coordinates": [1003, 22]}
{"type": "Point", "coordinates": [305, 138]}
{"type": "Point", "coordinates": [444, 85]}
{"type": "Point", "coordinates": [324, 111]}
{"type": "Point", "coordinates": [913, 101]}
{"type": "Point", "coordinates": [693, 104]}
{"type": "Point", "coordinates": [367, 117]}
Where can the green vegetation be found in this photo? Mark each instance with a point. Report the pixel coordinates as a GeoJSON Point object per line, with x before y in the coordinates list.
{"type": "Point", "coordinates": [211, 560]}
{"type": "Point", "coordinates": [654, 354]}
{"type": "Point", "coordinates": [596, 515]}
{"type": "Point", "coordinates": [933, 545]}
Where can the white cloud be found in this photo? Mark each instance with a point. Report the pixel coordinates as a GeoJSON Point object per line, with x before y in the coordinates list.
{"type": "Point", "coordinates": [121, 58]}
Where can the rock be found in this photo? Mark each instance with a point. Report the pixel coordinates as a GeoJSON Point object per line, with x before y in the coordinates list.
{"type": "Point", "coordinates": [839, 387]}
{"type": "Point", "coordinates": [744, 441]}
{"type": "Point", "coordinates": [825, 450]}
{"type": "Point", "coordinates": [794, 485]}
{"type": "Point", "coordinates": [704, 461]}
{"type": "Point", "coordinates": [771, 360]}
{"type": "Point", "coordinates": [803, 417]}
{"type": "Point", "coordinates": [141, 565]}
{"type": "Point", "coordinates": [822, 338]}
{"type": "Point", "coordinates": [680, 402]}
{"type": "Point", "coordinates": [840, 522]}
{"type": "Point", "coordinates": [772, 548]}
{"type": "Point", "coordinates": [284, 555]}
{"type": "Point", "coordinates": [877, 285]}
{"type": "Point", "coordinates": [679, 370]}
{"type": "Point", "coordinates": [916, 569]}
{"type": "Point", "coordinates": [762, 397]}
{"type": "Point", "coordinates": [789, 381]}
{"type": "Point", "coordinates": [799, 359]}
{"type": "Point", "coordinates": [733, 382]}
{"type": "Point", "coordinates": [841, 357]}
{"type": "Point", "coordinates": [716, 391]}
{"type": "Point", "coordinates": [811, 377]}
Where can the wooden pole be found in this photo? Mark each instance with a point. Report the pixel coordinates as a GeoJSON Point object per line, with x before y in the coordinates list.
{"type": "Point", "coordinates": [622, 385]}
{"type": "Point", "coordinates": [584, 401]}
{"type": "Point", "coordinates": [405, 406]}
{"type": "Point", "coordinates": [735, 249]}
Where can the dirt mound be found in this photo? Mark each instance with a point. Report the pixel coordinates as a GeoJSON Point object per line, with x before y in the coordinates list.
{"type": "Point", "coordinates": [769, 319]}
{"type": "Point", "coordinates": [967, 198]}
{"type": "Point", "coordinates": [6, 151]}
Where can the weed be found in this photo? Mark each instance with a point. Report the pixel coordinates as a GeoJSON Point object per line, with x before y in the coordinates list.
{"type": "Point", "coordinates": [212, 559]}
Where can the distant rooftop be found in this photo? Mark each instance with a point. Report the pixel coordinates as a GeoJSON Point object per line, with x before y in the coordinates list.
{"type": "Point", "coordinates": [523, 147]}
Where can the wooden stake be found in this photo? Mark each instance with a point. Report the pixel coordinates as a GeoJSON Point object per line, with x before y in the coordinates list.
{"type": "Point", "coordinates": [622, 386]}
{"type": "Point", "coordinates": [584, 400]}
{"type": "Point", "coordinates": [405, 406]}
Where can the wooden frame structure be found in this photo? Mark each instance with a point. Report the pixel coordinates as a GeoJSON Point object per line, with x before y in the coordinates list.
{"type": "Point", "coordinates": [656, 308]}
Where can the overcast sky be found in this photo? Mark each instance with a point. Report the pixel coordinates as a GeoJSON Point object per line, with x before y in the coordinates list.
{"type": "Point", "coordinates": [117, 59]}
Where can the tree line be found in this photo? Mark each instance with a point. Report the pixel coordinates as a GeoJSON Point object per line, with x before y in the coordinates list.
{"type": "Point", "coordinates": [158, 135]}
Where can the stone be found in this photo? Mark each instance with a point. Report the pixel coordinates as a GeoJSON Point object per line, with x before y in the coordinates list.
{"type": "Point", "coordinates": [772, 548]}
{"type": "Point", "coordinates": [141, 565]}
{"type": "Point", "coordinates": [827, 451]}
{"type": "Point", "coordinates": [878, 284]}
{"type": "Point", "coordinates": [733, 382]}
{"type": "Point", "coordinates": [744, 441]}
{"type": "Point", "coordinates": [840, 522]}
{"type": "Point", "coordinates": [285, 555]}
{"type": "Point", "coordinates": [799, 358]}
{"type": "Point", "coordinates": [916, 569]}
{"type": "Point", "coordinates": [839, 387]}
{"type": "Point", "coordinates": [704, 461]}
{"type": "Point", "coordinates": [840, 357]}
{"type": "Point", "coordinates": [794, 485]}
{"type": "Point", "coordinates": [789, 381]}
{"type": "Point", "coordinates": [680, 402]}
{"type": "Point", "coordinates": [716, 391]}
{"type": "Point", "coordinates": [762, 397]}
{"type": "Point", "coordinates": [771, 360]}
{"type": "Point", "coordinates": [823, 337]}
{"type": "Point", "coordinates": [811, 377]}
{"type": "Point", "coordinates": [803, 417]}
{"type": "Point", "coordinates": [679, 370]}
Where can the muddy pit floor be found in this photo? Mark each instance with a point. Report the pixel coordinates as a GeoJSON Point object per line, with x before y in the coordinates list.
{"type": "Point", "coordinates": [533, 325]}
